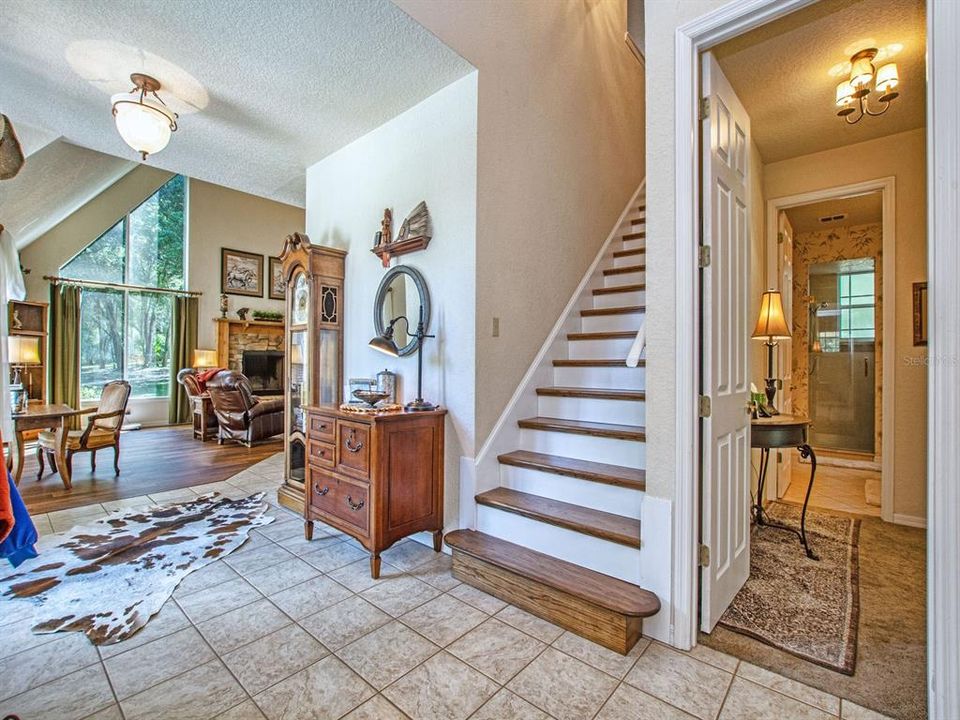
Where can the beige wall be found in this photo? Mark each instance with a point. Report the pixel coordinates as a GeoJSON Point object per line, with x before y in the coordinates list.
{"type": "Point", "coordinates": [560, 152]}
{"type": "Point", "coordinates": [662, 20]}
{"type": "Point", "coordinates": [220, 217]}
{"type": "Point", "coordinates": [869, 161]}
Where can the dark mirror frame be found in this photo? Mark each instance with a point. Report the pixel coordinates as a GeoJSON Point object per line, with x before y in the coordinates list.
{"type": "Point", "coordinates": [381, 298]}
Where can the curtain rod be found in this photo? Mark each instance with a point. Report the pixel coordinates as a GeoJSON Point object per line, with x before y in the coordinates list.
{"type": "Point", "coordinates": [118, 286]}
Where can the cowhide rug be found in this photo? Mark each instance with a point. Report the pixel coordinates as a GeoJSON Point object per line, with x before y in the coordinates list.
{"type": "Point", "coordinates": [108, 578]}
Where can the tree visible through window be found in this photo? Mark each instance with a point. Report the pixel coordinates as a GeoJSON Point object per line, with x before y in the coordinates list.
{"type": "Point", "coordinates": [126, 333]}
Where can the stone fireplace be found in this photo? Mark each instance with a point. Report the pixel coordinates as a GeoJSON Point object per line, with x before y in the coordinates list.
{"type": "Point", "coordinates": [264, 370]}
{"type": "Point", "coordinates": [262, 341]}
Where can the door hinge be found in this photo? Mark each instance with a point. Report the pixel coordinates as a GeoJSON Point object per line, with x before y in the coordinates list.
{"type": "Point", "coordinates": [704, 556]}
{"type": "Point", "coordinates": [703, 406]}
{"type": "Point", "coordinates": [703, 260]}
{"type": "Point", "coordinates": [704, 108]}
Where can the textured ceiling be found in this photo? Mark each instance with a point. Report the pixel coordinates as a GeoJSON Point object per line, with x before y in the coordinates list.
{"type": "Point", "coordinates": [860, 210]}
{"type": "Point", "coordinates": [782, 73]}
{"type": "Point", "coordinates": [54, 182]}
{"type": "Point", "coordinates": [264, 89]}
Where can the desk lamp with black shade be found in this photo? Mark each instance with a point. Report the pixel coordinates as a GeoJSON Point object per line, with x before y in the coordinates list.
{"type": "Point", "coordinates": [386, 344]}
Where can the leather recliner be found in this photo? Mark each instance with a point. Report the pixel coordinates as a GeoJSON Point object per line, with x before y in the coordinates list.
{"type": "Point", "coordinates": [243, 416]}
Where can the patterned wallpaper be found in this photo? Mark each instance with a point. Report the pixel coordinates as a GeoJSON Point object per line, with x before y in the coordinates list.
{"type": "Point", "coordinates": [843, 243]}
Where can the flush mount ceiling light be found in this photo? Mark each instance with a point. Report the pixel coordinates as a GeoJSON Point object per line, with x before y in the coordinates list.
{"type": "Point", "coordinates": [143, 120]}
{"type": "Point", "coordinates": [853, 94]}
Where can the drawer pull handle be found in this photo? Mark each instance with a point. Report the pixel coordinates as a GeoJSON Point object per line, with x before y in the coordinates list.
{"type": "Point", "coordinates": [318, 491]}
{"type": "Point", "coordinates": [353, 505]}
{"type": "Point", "coordinates": [351, 447]}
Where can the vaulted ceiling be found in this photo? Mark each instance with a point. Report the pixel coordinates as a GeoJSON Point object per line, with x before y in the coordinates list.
{"type": "Point", "coordinates": [263, 89]}
{"type": "Point", "coordinates": [786, 73]}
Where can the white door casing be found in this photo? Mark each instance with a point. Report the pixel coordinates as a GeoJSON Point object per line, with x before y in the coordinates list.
{"type": "Point", "coordinates": [725, 495]}
{"type": "Point", "coordinates": [783, 279]}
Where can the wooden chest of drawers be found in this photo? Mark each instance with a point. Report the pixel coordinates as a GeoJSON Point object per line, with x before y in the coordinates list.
{"type": "Point", "coordinates": [378, 478]}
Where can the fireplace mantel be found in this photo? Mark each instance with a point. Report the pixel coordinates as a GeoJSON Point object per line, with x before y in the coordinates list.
{"type": "Point", "coordinates": [246, 334]}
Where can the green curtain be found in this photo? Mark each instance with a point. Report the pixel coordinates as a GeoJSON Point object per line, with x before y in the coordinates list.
{"type": "Point", "coordinates": [64, 378]}
{"type": "Point", "coordinates": [183, 341]}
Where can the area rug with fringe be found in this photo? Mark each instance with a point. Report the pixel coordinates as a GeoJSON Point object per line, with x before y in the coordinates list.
{"type": "Point", "coordinates": [809, 608]}
{"type": "Point", "coordinates": [109, 577]}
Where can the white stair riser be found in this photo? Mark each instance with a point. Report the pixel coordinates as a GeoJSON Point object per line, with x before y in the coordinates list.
{"type": "Point", "coordinates": [634, 297]}
{"type": "Point", "coordinates": [629, 453]}
{"type": "Point", "coordinates": [611, 323]}
{"type": "Point", "coordinates": [617, 378]}
{"type": "Point", "coordinates": [577, 491]}
{"type": "Point", "coordinates": [637, 244]}
{"type": "Point", "coordinates": [628, 260]}
{"type": "Point", "coordinates": [633, 278]}
{"type": "Point", "coordinates": [623, 412]}
{"type": "Point", "coordinates": [609, 558]}
{"type": "Point", "coordinates": [594, 349]}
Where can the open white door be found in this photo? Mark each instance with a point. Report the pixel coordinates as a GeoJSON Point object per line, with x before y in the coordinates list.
{"type": "Point", "coordinates": [725, 497]}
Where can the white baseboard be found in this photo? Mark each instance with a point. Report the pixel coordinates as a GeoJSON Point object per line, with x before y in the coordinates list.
{"type": "Point", "coordinates": [910, 520]}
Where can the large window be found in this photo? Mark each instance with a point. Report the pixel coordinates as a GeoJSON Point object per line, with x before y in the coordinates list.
{"type": "Point", "coordinates": [125, 333]}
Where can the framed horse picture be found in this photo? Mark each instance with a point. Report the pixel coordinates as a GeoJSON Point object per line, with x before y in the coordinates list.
{"type": "Point", "coordinates": [241, 273]}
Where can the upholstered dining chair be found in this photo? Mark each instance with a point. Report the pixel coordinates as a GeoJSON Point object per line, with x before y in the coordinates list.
{"type": "Point", "coordinates": [102, 431]}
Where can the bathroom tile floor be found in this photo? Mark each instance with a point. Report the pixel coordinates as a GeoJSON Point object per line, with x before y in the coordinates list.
{"type": "Point", "coordinates": [288, 629]}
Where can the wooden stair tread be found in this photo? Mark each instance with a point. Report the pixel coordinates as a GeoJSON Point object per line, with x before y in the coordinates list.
{"type": "Point", "coordinates": [620, 289]}
{"type": "Point", "coordinates": [562, 362]}
{"type": "Point", "coordinates": [625, 270]}
{"type": "Point", "coordinates": [596, 588]}
{"type": "Point", "coordinates": [628, 253]}
{"type": "Point", "coordinates": [635, 236]}
{"type": "Point", "coordinates": [594, 393]}
{"type": "Point", "coordinates": [625, 310]}
{"type": "Point", "coordinates": [572, 467]}
{"type": "Point", "coordinates": [584, 427]}
{"type": "Point", "coordinates": [611, 335]}
{"type": "Point", "coordinates": [599, 524]}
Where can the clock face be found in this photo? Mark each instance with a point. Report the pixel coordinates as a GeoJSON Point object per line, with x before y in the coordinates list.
{"type": "Point", "coordinates": [301, 301]}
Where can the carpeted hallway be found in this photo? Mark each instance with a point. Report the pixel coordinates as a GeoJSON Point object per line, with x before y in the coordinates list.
{"type": "Point", "coordinates": [891, 667]}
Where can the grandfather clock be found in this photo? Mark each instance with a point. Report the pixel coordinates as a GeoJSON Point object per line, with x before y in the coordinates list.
{"type": "Point", "coordinates": [313, 349]}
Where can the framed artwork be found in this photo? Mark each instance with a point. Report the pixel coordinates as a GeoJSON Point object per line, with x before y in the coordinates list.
{"type": "Point", "coordinates": [277, 286]}
{"type": "Point", "coordinates": [920, 313]}
{"type": "Point", "coordinates": [241, 273]}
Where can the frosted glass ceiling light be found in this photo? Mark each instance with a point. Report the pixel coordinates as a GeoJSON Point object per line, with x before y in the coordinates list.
{"type": "Point", "coordinates": [853, 94]}
{"type": "Point", "coordinates": [143, 120]}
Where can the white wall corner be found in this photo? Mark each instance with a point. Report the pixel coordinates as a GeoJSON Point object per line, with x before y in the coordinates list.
{"type": "Point", "coordinates": [468, 490]}
{"type": "Point", "coordinates": [656, 564]}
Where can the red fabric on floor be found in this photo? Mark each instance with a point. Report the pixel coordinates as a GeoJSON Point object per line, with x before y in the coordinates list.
{"type": "Point", "coordinates": [6, 507]}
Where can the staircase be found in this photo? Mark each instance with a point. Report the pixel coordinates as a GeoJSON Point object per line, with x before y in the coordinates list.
{"type": "Point", "coordinates": [560, 535]}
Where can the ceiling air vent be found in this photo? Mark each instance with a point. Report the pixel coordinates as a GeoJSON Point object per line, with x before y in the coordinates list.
{"type": "Point", "coordinates": [833, 218]}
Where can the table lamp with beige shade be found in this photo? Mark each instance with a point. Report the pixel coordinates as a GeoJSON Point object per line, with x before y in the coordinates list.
{"type": "Point", "coordinates": [771, 327]}
{"type": "Point", "coordinates": [22, 350]}
{"type": "Point", "coordinates": [204, 359]}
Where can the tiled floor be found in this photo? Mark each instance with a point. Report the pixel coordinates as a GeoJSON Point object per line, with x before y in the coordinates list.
{"type": "Point", "coordinates": [834, 488]}
{"type": "Point", "coordinates": [288, 629]}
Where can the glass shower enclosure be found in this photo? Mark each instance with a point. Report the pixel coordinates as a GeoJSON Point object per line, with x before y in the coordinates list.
{"type": "Point", "coordinates": [842, 355]}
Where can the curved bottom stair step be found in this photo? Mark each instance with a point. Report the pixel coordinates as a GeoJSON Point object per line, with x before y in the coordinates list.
{"type": "Point", "coordinates": [598, 607]}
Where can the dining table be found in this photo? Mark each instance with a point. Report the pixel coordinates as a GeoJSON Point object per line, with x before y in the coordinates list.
{"type": "Point", "coordinates": [55, 417]}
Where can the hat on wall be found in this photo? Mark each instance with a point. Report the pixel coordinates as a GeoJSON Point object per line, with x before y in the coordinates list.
{"type": "Point", "coordinates": [11, 154]}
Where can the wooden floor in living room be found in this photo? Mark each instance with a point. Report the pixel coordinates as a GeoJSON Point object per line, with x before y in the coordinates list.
{"type": "Point", "coordinates": [151, 461]}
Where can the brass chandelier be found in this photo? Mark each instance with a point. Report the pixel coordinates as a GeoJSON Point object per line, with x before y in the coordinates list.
{"type": "Point", "coordinates": [854, 94]}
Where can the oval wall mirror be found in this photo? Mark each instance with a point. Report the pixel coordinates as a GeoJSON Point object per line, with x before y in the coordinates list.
{"type": "Point", "coordinates": [402, 293]}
